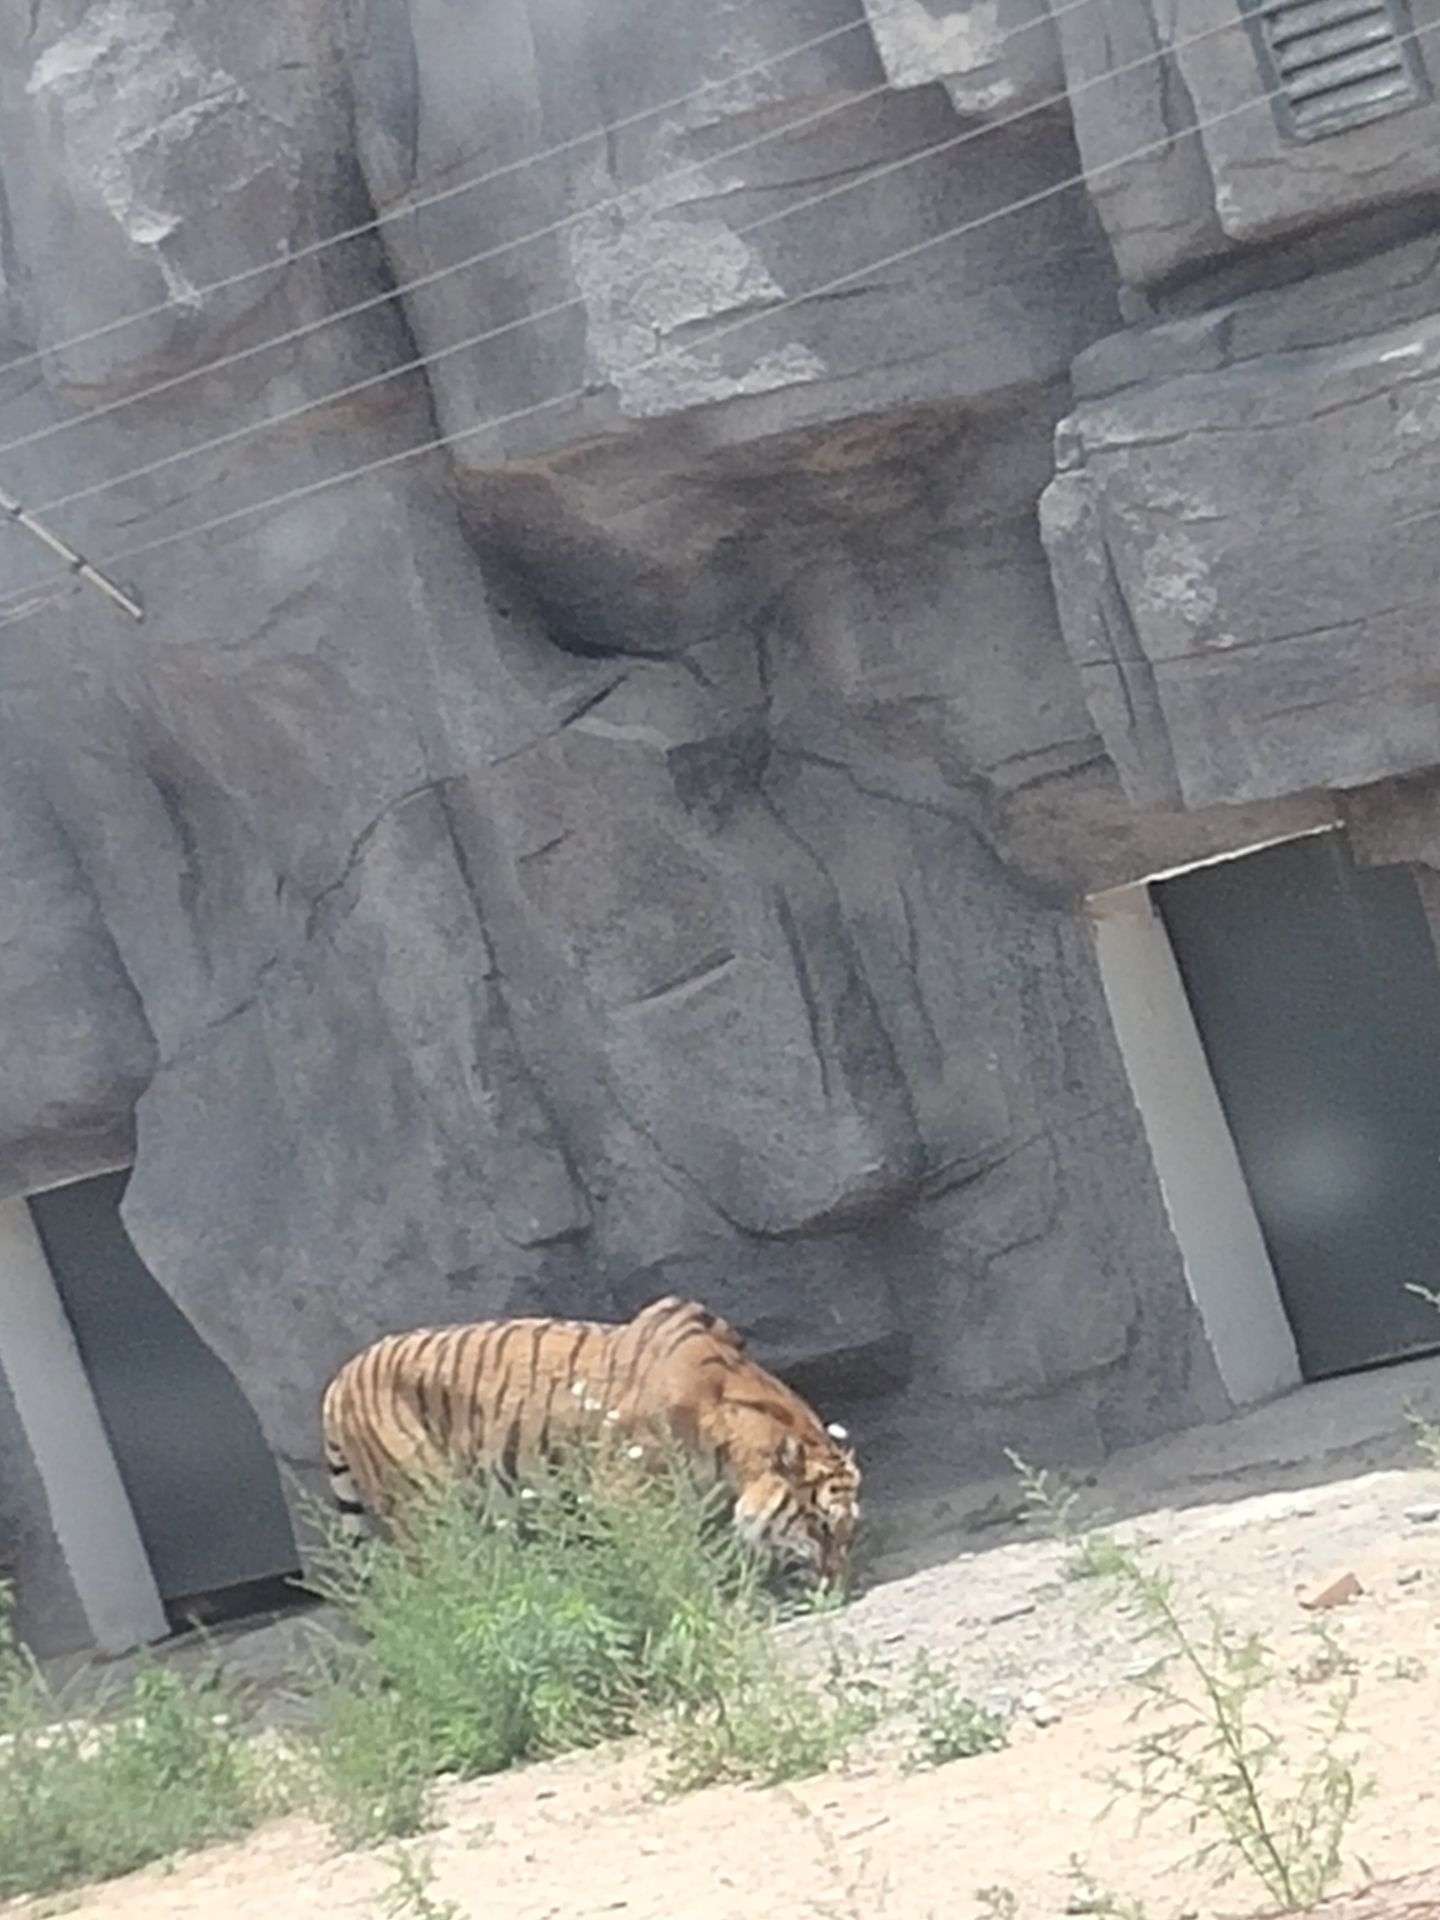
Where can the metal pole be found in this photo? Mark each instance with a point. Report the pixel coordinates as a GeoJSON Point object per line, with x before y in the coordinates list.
{"type": "Point", "coordinates": [76, 562]}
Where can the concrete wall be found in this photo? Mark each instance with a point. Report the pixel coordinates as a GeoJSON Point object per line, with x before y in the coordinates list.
{"type": "Point", "coordinates": [1227, 1264]}
{"type": "Point", "coordinates": [84, 1576]}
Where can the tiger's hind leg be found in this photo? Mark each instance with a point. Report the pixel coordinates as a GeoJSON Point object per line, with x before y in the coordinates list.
{"type": "Point", "coordinates": [385, 1496]}
{"type": "Point", "coordinates": [355, 1520]}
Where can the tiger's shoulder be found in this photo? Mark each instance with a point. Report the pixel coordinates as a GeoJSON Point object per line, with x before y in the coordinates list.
{"type": "Point", "coordinates": [673, 1318]}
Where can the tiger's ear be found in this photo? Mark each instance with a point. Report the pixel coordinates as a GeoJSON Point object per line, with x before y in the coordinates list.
{"type": "Point", "coordinates": [729, 1336]}
{"type": "Point", "coordinates": [789, 1454]}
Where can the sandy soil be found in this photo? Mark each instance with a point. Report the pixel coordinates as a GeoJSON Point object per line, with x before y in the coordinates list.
{"type": "Point", "coordinates": [587, 1835]}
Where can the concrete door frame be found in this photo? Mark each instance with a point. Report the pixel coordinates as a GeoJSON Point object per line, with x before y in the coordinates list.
{"type": "Point", "coordinates": [90, 1510]}
{"type": "Point", "coordinates": [1227, 1264]}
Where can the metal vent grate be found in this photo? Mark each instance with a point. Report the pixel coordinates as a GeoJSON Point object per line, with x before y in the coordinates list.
{"type": "Point", "coordinates": [1330, 65]}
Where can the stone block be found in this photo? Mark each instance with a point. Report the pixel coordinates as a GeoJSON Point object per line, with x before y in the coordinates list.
{"type": "Point", "coordinates": [1192, 164]}
{"type": "Point", "coordinates": [1244, 551]}
{"type": "Point", "coordinates": [991, 56]}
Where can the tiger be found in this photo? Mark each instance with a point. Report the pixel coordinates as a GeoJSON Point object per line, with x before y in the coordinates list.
{"type": "Point", "coordinates": [495, 1401]}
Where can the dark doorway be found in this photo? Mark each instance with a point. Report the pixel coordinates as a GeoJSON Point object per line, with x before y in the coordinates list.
{"type": "Point", "coordinates": [1316, 990]}
{"type": "Point", "coordinates": [201, 1480]}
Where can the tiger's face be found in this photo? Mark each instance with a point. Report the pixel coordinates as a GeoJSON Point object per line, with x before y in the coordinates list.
{"type": "Point", "coordinates": [805, 1512]}
{"type": "Point", "coordinates": [835, 1495]}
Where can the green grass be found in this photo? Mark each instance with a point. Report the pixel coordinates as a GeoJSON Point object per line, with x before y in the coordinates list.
{"type": "Point", "coordinates": [87, 1798]}
{"type": "Point", "coordinates": [583, 1610]}
{"type": "Point", "coordinates": [493, 1634]}
{"type": "Point", "coordinates": [763, 1724]}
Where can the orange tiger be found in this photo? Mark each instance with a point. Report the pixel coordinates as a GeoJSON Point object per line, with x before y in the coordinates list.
{"type": "Point", "coordinates": [498, 1398]}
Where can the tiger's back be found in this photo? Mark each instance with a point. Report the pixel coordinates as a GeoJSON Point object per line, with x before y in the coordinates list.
{"type": "Point", "coordinates": [501, 1399]}
{"type": "Point", "coordinates": [489, 1397]}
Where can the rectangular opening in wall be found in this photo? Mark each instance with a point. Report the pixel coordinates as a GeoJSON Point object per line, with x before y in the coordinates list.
{"type": "Point", "coordinates": [1330, 65]}
{"type": "Point", "coordinates": [204, 1486]}
{"type": "Point", "coordinates": [1315, 990]}
{"type": "Point", "coordinates": [1227, 1263]}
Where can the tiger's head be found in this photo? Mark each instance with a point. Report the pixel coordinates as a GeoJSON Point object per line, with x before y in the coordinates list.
{"type": "Point", "coordinates": [805, 1510]}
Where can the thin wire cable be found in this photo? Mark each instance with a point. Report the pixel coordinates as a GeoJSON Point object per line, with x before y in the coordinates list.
{"type": "Point", "coordinates": [470, 261]}
{"type": "Point", "coordinates": [1084, 177]}
{"type": "Point", "coordinates": [435, 199]}
{"type": "Point", "coordinates": [431, 279]}
{"type": "Point", "coordinates": [35, 602]}
{"type": "Point", "coordinates": [473, 340]}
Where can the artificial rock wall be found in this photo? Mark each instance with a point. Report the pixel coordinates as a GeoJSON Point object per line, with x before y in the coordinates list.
{"type": "Point", "coordinates": [640, 847]}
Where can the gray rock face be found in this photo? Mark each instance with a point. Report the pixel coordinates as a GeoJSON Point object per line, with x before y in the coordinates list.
{"type": "Point", "coordinates": [1130, 98]}
{"type": "Point", "coordinates": [81, 1051]}
{"type": "Point", "coordinates": [1244, 536]}
{"type": "Point", "coordinates": [638, 847]}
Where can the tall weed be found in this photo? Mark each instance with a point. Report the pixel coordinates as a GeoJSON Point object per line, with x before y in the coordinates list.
{"type": "Point", "coordinates": [1206, 1749]}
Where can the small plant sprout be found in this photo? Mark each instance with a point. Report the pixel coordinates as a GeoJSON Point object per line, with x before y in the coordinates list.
{"type": "Point", "coordinates": [997, 1903]}
{"type": "Point", "coordinates": [1427, 1436]}
{"type": "Point", "coordinates": [408, 1897]}
{"type": "Point", "coordinates": [1403, 1666]}
{"type": "Point", "coordinates": [1425, 1430]}
{"type": "Point", "coordinates": [1090, 1897]}
{"type": "Point", "coordinates": [1055, 1504]}
{"type": "Point", "coordinates": [949, 1725]}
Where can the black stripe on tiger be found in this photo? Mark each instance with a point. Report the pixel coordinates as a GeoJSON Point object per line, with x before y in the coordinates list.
{"type": "Point", "coordinates": [344, 1494]}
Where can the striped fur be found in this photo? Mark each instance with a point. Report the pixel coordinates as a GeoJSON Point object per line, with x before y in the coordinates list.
{"type": "Point", "coordinates": [499, 1399]}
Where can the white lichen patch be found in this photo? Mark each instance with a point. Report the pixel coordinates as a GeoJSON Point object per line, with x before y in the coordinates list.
{"type": "Point", "coordinates": [1177, 580]}
{"type": "Point", "coordinates": [917, 46]}
{"type": "Point", "coordinates": [646, 281]}
{"type": "Point", "coordinates": [152, 130]}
